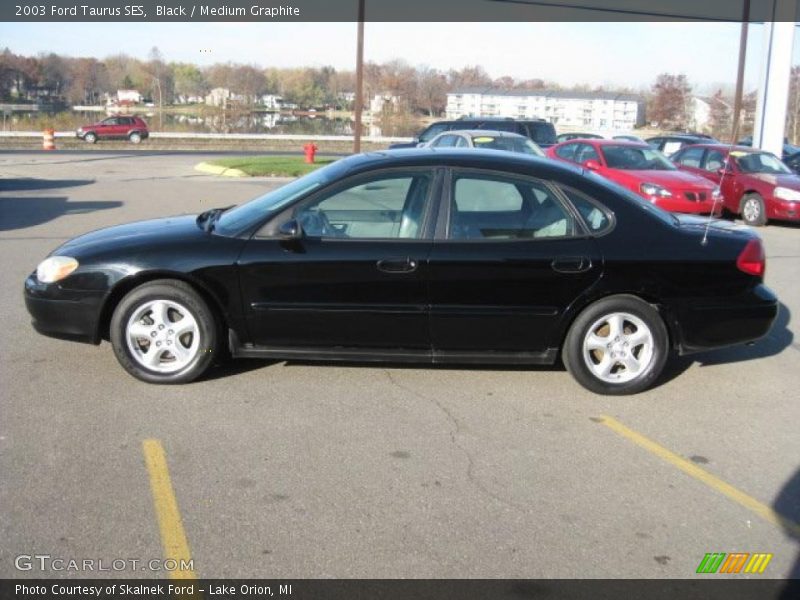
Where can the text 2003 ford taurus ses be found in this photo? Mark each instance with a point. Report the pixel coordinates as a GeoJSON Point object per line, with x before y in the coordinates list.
{"type": "Point", "coordinates": [455, 256]}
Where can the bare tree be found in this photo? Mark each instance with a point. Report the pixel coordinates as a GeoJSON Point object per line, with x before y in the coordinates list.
{"type": "Point", "coordinates": [669, 102]}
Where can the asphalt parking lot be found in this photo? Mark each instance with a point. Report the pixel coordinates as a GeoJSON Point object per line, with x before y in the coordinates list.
{"type": "Point", "coordinates": [305, 471]}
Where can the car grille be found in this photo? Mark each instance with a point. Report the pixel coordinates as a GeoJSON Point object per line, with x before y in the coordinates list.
{"type": "Point", "coordinates": [695, 196]}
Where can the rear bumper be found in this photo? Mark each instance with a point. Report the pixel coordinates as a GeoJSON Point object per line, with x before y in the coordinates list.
{"type": "Point", "coordinates": [705, 325]}
{"type": "Point", "coordinates": [63, 314]}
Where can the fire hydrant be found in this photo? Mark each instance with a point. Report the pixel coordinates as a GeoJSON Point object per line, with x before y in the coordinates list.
{"type": "Point", "coordinates": [310, 150]}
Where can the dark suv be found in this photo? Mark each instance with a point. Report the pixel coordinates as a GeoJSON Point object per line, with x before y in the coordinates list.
{"type": "Point", "coordinates": [115, 128]}
{"type": "Point", "coordinates": [538, 130]}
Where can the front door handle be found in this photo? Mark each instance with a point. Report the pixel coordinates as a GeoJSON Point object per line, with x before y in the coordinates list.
{"type": "Point", "coordinates": [397, 265]}
{"type": "Point", "coordinates": [571, 264]}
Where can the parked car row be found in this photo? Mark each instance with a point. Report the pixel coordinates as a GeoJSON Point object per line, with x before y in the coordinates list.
{"type": "Point", "coordinates": [701, 177]}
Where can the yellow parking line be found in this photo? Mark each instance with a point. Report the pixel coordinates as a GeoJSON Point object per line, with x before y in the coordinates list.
{"type": "Point", "coordinates": [173, 537]}
{"type": "Point", "coordinates": [688, 467]}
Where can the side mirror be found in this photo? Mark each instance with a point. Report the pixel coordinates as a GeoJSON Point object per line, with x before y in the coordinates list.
{"type": "Point", "coordinates": [291, 230]}
{"type": "Point", "coordinates": [591, 164]}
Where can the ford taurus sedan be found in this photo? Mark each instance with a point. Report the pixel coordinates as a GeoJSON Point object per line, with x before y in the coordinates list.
{"type": "Point", "coordinates": [430, 256]}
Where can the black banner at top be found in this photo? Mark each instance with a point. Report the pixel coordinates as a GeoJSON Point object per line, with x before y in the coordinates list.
{"type": "Point", "coordinates": [397, 10]}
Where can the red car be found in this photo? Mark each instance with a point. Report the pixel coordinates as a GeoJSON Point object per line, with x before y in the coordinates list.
{"type": "Point", "coordinates": [755, 184]}
{"type": "Point", "coordinates": [115, 128]}
{"type": "Point", "coordinates": [643, 170]}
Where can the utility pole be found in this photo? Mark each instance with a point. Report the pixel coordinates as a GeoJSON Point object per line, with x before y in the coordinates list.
{"type": "Point", "coordinates": [737, 100]}
{"type": "Point", "coordinates": [359, 78]}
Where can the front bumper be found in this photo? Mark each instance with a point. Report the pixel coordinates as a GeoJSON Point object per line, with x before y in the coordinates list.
{"type": "Point", "coordinates": [706, 325]}
{"type": "Point", "coordinates": [62, 313]}
{"type": "Point", "coordinates": [784, 210]}
{"type": "Point", "coordinates": [704, 207]}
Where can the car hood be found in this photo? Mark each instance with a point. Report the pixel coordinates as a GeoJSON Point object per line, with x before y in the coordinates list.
{"type": "Point", "coordinates": [138, 233]}
{"type": "Point", "coordinates": [674, 179]}
{"type": "Point", "coordinates": [787, 180]}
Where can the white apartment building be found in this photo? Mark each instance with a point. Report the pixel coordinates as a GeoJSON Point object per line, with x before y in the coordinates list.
{"type": "Point", "coordinates": [578, 110]}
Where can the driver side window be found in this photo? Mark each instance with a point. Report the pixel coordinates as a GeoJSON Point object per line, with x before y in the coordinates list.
{"type": "Point", "coordinates": [384, 207]}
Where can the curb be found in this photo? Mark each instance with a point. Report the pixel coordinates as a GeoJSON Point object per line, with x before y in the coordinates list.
{"type": "Point", "coordinates": [210, 169]}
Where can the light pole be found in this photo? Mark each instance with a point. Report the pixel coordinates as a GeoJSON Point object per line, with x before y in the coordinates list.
{"type": "Point", "coordinates": [359, 78]}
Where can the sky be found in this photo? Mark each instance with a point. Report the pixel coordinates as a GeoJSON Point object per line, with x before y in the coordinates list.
{"type": "Point", "coordinates": [610, 54]}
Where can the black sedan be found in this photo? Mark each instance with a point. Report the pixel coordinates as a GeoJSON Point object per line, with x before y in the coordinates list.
{"type": "Point", "coordinates": [446, 256]}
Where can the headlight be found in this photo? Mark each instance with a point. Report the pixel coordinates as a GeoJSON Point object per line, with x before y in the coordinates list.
{"type": "Point", "coordinates": [653, 189]}
{"type": "Point", "coordinates": [787, 194]}
{"type": "Point", "coordinates": [55, 268]}
{"type": "Point", "coordinates": [716, 194]}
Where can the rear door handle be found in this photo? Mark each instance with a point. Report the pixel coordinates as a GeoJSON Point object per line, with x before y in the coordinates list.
{"type": "Point", "coordinates": [571, 264]}
{"type": "Point", "coordinates": [397, 265]}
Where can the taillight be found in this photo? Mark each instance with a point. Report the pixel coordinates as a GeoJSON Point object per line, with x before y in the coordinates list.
{"type": "Point", "coordinates": [751, 259]}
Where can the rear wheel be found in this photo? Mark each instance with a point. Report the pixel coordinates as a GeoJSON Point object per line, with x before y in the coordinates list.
{"type": "Point", "coordinates": [164, 332]}
{"type": "Point", "coordinates": [753, 211]}
{"type": "Point", "coordinates": [90, 137]}
{"type": "Point", "coordinates": [618, 345]}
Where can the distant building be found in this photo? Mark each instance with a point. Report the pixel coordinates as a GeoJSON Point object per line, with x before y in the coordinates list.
{"type": "Point", "coordinates": [189, 99]}
{"type": "Point", "coordinates": [271, 101]}
{"type": "Point", "coordinates": [701, 107]}
{"type": "Point", "coordinates": [580, 110]}
{"type": "Point", "coordinates": [383, 102]}
{"type": "Point", "coordinates": [219, 97]}
{"type": "Point", "coordinates": [128, 97]}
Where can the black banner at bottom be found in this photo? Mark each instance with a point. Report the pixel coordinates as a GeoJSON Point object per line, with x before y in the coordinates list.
{"type": "Point", "coordinates": [704, 588]}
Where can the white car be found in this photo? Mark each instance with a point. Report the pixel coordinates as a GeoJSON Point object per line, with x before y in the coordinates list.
{"type": "Point", "coordinates": [485, 139]}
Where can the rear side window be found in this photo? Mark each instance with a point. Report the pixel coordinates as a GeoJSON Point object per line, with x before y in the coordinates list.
{"type": "Point", "coordinates": [496, 208]}
{"type": "Point", "coordinates": [596, 218]}
{"type": "Point", "coordinates": [542, 133]}
{"type": "Point", "coordinates": [432, 131]}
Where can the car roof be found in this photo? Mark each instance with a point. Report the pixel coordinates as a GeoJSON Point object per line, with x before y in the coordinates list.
{"type": "Point", "coordinates": [607, 142]}
{"type": "Point", "coordinates": [726, 147]}
{"type": "Point", "coordinates": [458, 157]}
{"type": "Point", "coordinates": [483, 132]}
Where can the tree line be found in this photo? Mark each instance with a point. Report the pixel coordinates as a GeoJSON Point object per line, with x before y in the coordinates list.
{"type": "Point", "coordinates": [416, 89]}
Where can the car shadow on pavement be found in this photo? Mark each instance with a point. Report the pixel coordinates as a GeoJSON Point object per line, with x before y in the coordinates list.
{"type": "Point", "coordinates": [30, 183]}
{"type": "Point", "coordinates": [787, 504]}
{"type": "Point", "coordinates": [21, 212]}
{"type": "Point", "coordinates": [238, 366]}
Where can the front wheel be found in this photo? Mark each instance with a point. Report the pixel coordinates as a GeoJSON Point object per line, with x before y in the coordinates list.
{"type": "Point", "coordinates": [618, 345]}
{"type": "Point", "coordinates": [90, 138]}
{"type": "Point", "coordinates": [164, 332]}
{"type": "Point", "coordinates": [135, 138]}
{"type": "Point", "coordinates": [753, 211]}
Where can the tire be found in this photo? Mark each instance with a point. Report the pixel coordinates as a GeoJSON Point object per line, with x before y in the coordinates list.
{"type": "Point", "coordinates": [91, 138]}
{"type": "Point", "coordinates": [610, 364]}
{"type": "Point", "coordinates": [171, 314]}
{"type": "Point", "coordinates": [135, 137]}
{"type": "Point", "coordinates": [753, 210]}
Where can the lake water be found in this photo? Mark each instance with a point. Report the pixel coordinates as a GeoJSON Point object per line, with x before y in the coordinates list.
{"type": "Point", "coordinates": [220, 122]}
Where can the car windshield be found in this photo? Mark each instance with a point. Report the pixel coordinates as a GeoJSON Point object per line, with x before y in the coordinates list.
{"type": "Point", "coordinates": [511, 144]}
{"type": "Point", "coordinates": [636, 158]}
{"type": "Point", "coordinates": [240, 218]}
{"type": "Point", "coordinates": [759, 162]}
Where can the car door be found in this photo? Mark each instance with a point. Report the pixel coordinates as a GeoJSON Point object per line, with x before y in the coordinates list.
{"type": "Point", "coordinates": [356, 277]}
{"type": "Point", "coordinates": [108, 128]}
{"type": "Point", "coordinates": [508, 260]}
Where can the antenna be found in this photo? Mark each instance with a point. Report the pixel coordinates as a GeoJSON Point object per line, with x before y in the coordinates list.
{"type": "Point", "coordinates": [725, 171]}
